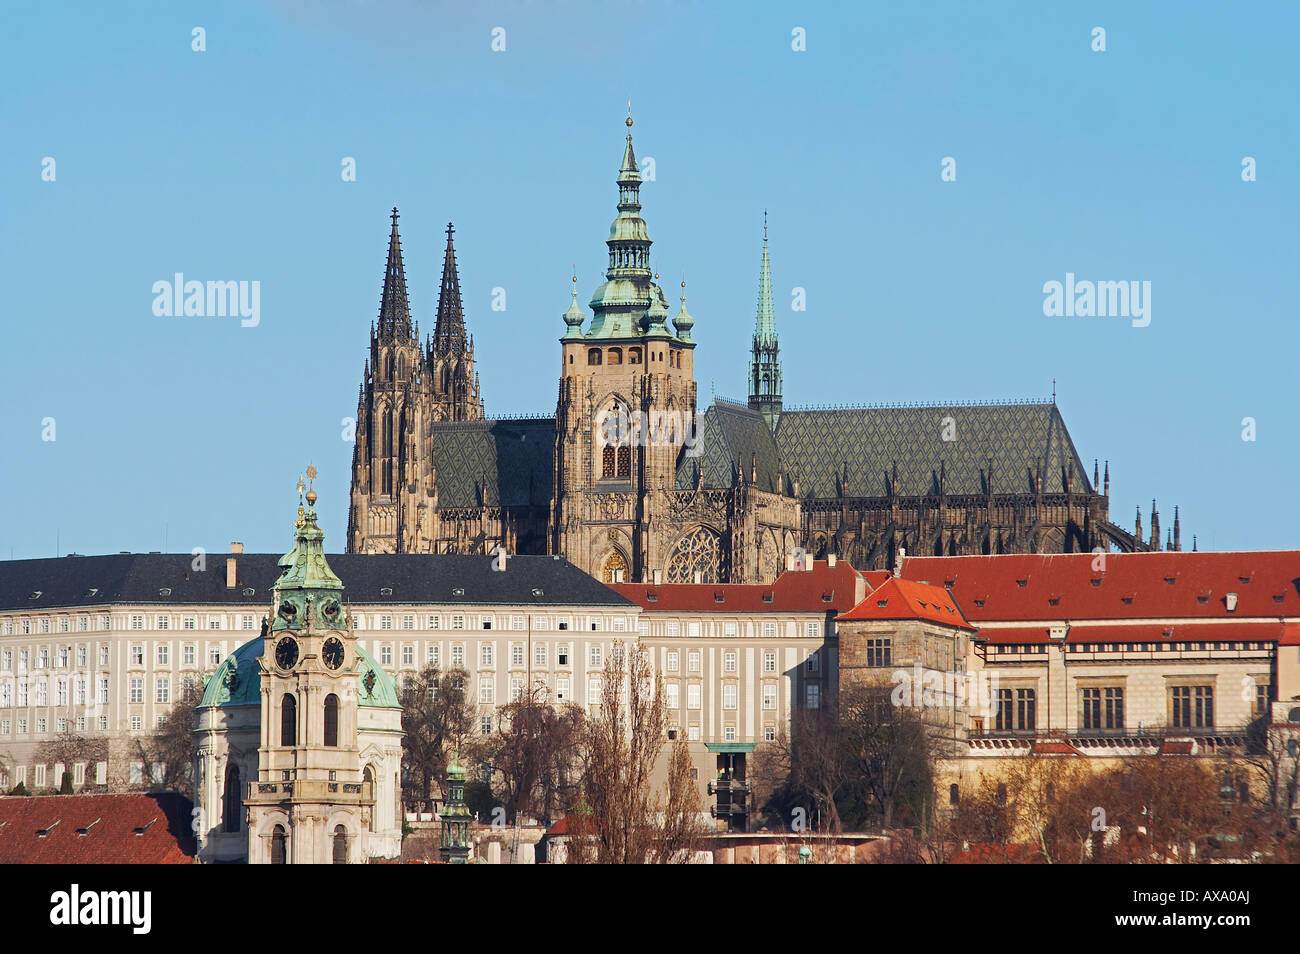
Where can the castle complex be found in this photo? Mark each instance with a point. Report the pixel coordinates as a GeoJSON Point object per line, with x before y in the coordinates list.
{"type": "Point", "coordinates": [632, 483]}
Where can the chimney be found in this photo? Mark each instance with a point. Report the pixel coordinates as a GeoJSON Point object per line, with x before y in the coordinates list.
{"type": "Point", "coordinates": [659, 577]}
{"type": "Point", "coordinates": [789, 561]}
{"type": "Point", "coordinates": [235, 548]}
{"type": "Point", "coordinates": [830, 560]}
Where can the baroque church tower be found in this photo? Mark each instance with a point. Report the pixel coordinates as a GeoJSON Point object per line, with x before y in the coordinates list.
{"type": "Point", "coordinates": [626, 408]}
{"type": "Point", "coordinates": [404, 390]}
{"type": "Point", "coordinates": [765, 363]}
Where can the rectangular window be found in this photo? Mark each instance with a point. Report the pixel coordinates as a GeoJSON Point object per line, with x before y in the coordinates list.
{"type": "Point", "coordinates": [83, 624]}
{"type": "Point", "coordinates": [812, 631]}
{"type": "Point", "coordinates": [729, 691]}
{"type": "Point", "coordinates": [485, 622]}
{"type": "Point", "coordinates": [562, 656]}
{"type": "Point", "coordinates": [594, 688]}
{"type": "Point", "coordinates": [516, 622]}
{"type": "Point", "coordinates": [385, 655]}
{"type": "Point", "coordinates": [728, 662]}
{"type": "Point", "coordinates": [45, 626]}
{"type": "Point", "coordinates": [693, 733]}
{"type": "Point", "coordinates": [673, 660]}
{"type": "Point", "coordinates": [769, 662]}
{"type": "Point", "coordinates": [1192, 707]}
{"type": "Point", "coordinates": [485, 725]}
{"type": "Point", "coordinates": [189, 622]}
{"type": "Point", "coordinates": [62, 725]}
{"type": "Point", "coordinates": [137, 722]}
{"type": "Point", "coordinates": [1101, 708]}
{"type": "Point", "coordinates": [769, 696]}
{"type": "Point", "coordinates": [214, 655]}
{"type": "Point", "coordinates": [597, 624]}
{"type": "Point", "coordinates": [163, 690]}
{"type": "Point", "coordinates": [137, 622]}
{"type": "Point", "coordinates": [103, 690]}
{"type": "Point", "coordinates": [435, 622]}
{"type": "Point", "coordinates": [187, 655]}
{"type": "Point", "coordinates": [879, 651]}
{"type": "Point", "coordinates": [81, 723]}
{"type": "Point", "coordinates": [693, 661]}
{"type": "Point", "coordinates": [137, 689]}
{"type": "Point", "coordinates": [40, 776]}
{"type": "Point", "coordinates": [45, 659]}
{"type": "Point", "coordinates": [214, 622]}
{"type": "Point", "coordinates": [693, 629]}
{"type": "Point", "coordinates": [63, 625]}
{"type": "Point", "coordinates": [813, 696]}
{"type": "Point", "coordinates": [594, 657]}
{"type": "Point", "coordinates": [432, 655]}
{"type": "Point", "coordinates": [63, 657]}
{"type": "Point", "coordinates": [516, 688]}
{"type": "Point", "coordinates": [485, 654]}
{"type": "Point", "coordinates": [137, 655]}
{"type": "Point", "coordinates": [674, 627]}
{"type": "Point", "coordinates": [769, 733]}
{"type": "Point", "coordinates": [729, 629]}
{"type": "Point", "coordinates": [458, 655]}
{"type": "Point", "coordinates": [517, 654]}
{"type": "Point", "coordinates": [22, 726]}
{"type": "Point", "coordinates": [6, 696]}
{"type": "Point", "coordinates": [539, 655]}
{"type": "Point", "coordinates": [61, 691]}
{"type": "Point", "coordinates": [408, 622]}
{"type": "Point", "coordinates": [769, 630]}
{"type": "Point", "coordinates": [22, 660]}
{"type": "Point", "coordinates": [693, 696]}
{"type": "Point", "coordinates": [458, 622]}
{"type": "Point", "coordinates": [164, 654]}
{"type": "Point", "coordinates": [561, 688]}
{"type": "Point", "coordinates": [620, 624]}
{"type": "Point", "coordinates": [408, 655]}
{"type": "Point", "coordinates": [79, 774]}
{"type": "Point", "coordinates": [22, 694]}
{"type": "Point", "coordinates": [8, 660]}
{"type": "Point", "coordinates": [729, 733]}
{"type": "Point", "coordinates": [672, 695]}
{"type": "Point", "coordinates": [40, 726]}
{"type": "Point", "coordinates": [1015, 711]}
{"type": "Point", "coordinates": [163, 622]}
{"type": "Point", "coordinates": [486, 690]}
{"type": "Point", "coordinates": [81, 690]}
{"type": "Point", "coordinates": [103, 725]}
{"type": "Point", "coordinates": [562, 623]}
{"type": "Point", "coordinates": [812, 663]}
{"type": "Point", "coordinates": [41, 693]}
{"type": "Point", "coordinates": [385, 621]}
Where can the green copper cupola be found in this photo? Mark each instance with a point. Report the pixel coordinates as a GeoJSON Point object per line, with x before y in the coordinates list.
{"type": "Point", "coordinates": [307, 586]}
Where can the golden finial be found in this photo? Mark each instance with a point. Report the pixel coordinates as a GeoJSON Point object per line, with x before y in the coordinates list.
{"type": "Point", "coordinates": [311, 493]}
{"type": "Point", "coordinates": [629, 112]}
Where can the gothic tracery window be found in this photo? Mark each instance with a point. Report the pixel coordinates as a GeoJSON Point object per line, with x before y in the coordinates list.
{"type": "Point", "coordinates": [607, 461]}
{"type": "Point", "coordinates": [615, 569]}
{"type": "Point", "coordinates": [698, 551]}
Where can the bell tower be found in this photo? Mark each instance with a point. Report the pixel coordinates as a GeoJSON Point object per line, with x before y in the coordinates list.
{"type": "Point", "coordinates": [310, 803]}
{"type": "Point", "coordinates": [626, 405]}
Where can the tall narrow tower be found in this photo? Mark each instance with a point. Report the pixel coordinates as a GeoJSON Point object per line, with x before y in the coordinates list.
{"type": "Point", "coordinates": [450, 354]}
{"type": "Point", "coordinates": [765, 360]}
{"type": "Point", "coordinates": [390, 465]}
{"type": "Point", "coordinates": [626, 405]}
{"type": "Point", "coordinates": [310, 803]}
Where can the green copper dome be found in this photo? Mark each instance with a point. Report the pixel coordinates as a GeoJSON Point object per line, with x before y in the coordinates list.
{"type": "Point", "coordinates": [238, 680]}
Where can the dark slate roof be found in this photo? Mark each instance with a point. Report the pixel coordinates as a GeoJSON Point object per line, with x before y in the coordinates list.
{"type": "Point", "coordinates": [66, 582]}
{"type": "Point", "coordinates": [1020, 438]}
{"type": "Point", "coordinates": [731, 437]}
{"type": "Point", "coordinates": [494, 463]}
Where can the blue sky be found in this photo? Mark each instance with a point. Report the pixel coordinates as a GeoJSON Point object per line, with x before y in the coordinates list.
{"type": "Point", "coordinates": [225, 165]}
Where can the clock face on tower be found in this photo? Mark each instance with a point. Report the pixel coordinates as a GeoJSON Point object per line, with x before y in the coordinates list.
{"type": "Point", "coordinates": [332, 653]}
{"type": "Point", "coordinates": [286, 653]}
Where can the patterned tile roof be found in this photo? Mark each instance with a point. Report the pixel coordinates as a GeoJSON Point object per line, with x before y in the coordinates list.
{"type": "Point", "coordinates": [494, 463]}
{"type": "Point", "coordinates": [133, 829]}
{"type": "Point", "coordinates": [732, 436]}
{"type": "Point", "coordinates": [1020, 438]}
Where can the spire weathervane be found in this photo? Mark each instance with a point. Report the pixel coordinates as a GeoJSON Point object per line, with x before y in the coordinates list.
{"type": "Point", "coordinates": [629, 112]}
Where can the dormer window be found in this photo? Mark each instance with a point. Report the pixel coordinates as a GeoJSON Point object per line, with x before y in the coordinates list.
{"type": "Point", "coordinates": [385, 591]}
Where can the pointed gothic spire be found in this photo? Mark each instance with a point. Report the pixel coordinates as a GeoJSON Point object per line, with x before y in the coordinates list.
{"type": "Point", "coordinates": [449, 329]}
{"type": "Point", "coordinates": [1178, 543]}
{"type": "Point", "coordinates": [394, 311]}
{"type": "Point", "coordinates": [765, 320]}
{"type": "Point", "coordinates": [765, 359]}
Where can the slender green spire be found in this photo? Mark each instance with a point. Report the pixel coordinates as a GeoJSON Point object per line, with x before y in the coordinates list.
{"type": "Point", "coordinates": [765, 321]}
{"type": "Point", "coordinates": [304, 568]}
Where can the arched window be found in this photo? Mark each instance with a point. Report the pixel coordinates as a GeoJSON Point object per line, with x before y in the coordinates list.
{"type": "Point", "coordinates": [697, 557]}
{"type": "Point", "coordinates": [625, 461]}
{"type": "Point", "coordinates": [278, 842]}
{"type": "Point", "coordinates": [340, 845]}
{"type": "Point", "coordinates": [288, 720]}
{"type": "Point", "coordinates": [401, 367]}
{"type": "Point", "coordinates": [388, 363]}
{"type": "Point", "coordinates": [233, 801]}
{"type": "Point", "coordinates": [593, 356]}
{"type": "Point", "coordinates": [607, 461]}
{"type": "Point", "coordinates": [332, 720]}
{"type": "Point", "coordinates": [615, 355]}
{"type": "Point", "coordinates": [633, 355]}
{"type": "Point", "coordinates": [368, 776]}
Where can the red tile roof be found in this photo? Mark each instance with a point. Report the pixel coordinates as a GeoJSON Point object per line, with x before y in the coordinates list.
{"type": "Point", "coordinates": [1132, 585]}
{"type": "Point", "coordinates": [822, 589]}
{"type": "Point", "coordinates": [96, 829]}
{"type": "Point", "coordinates": [904, 599]}
{"type": "Point", "coordinates": [1094, 631]}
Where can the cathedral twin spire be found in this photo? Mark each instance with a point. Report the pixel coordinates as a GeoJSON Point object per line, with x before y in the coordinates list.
{"type": "Point", "coordinates": [765, 358]}
{"type": "Point", "coordinates": [394, 310]}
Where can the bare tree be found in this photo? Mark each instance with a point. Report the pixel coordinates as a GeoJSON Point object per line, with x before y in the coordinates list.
{"type": "Point", "coordinates": [887, 755]}
{"type": "Point", "coordinates": [534, 753]}
{"type": "Point", "coordinates": [68, 749]}
{"type": "Point", "coordinates": [437, 718]}
{"type": "Point", "coordinates": [683, 830]}
{"type": "Point", "coordinates": [168, 755]}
